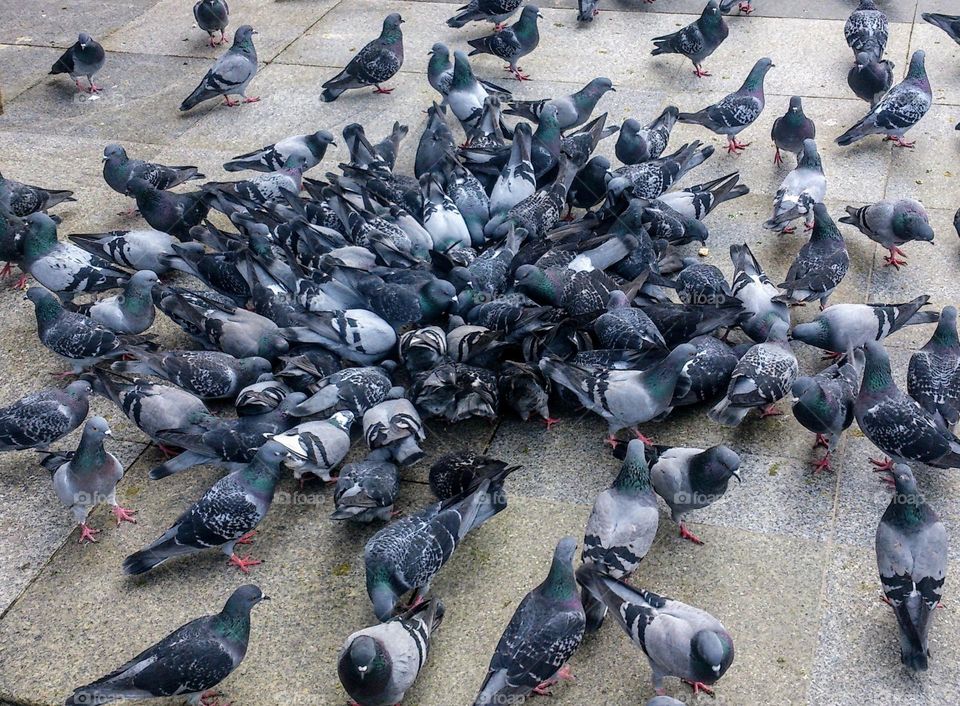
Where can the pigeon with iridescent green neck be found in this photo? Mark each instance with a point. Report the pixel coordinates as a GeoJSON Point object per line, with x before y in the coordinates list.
{"type": "Point", "coordinates": [572, 110]}
{"type": "Point", "coordinates": [892, 224]}
{"type": "Point", "coordinates": [512, 43]}
{"type": "Point", "coordinates": [40, 418]}
{"type": "Point", "coordinates": [378, 61]}
{"type": "Point", "coordinates": [230, 74]}
{"type": "Point", "coordinates": [870, 78]}
{"type": "Point", "coordinates": [933, 376]}
{"type": "Point", "coordinates": [697, 40]}
{"type": "Point", "coordinates": [820, 265]}
{"type": "Point", "coordinates": [118, 169]}
{"type": "Point", "coordinates": [791, 129]}
{"type": "Point", "coordinates": [187, 663]}
{"type": "Point", "coordinates": [130, 312]}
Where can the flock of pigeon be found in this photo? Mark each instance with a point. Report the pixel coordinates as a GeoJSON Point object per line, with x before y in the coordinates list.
{"type": "Point", "coordinates": [374, 299]}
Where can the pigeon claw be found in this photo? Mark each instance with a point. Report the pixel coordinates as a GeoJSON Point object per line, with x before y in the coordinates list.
{"type": "Point", "coordinates": [500, 26]}
{"type": "Point", "coordinates": [247, 538]}
{"type": "Point", "coordinates": [640, 437]}
{"type": "Point", "coordinates": [882, 466]}
{"type": "Point", "coordinates": [821, 441]}
{"type": "Point", "coordinates": [746, 8]}
{"type": "Point", "coordinates": [823, 465]}
{"type": "Point", "coordinates": [687, 534]}
{"type": "Point", "coordinates": [382, 90]}
{"type": "Point", "coordinates": [611, 441]}
{"type": "Point", "coordinates": [778, 158]}
{"type": "Point", "coordinates": [550, 421]}
{"type": "Point", "coordinates": [124, 515]}
{"type": "Point", "coordinates": [87, 534]}
{"type": "Point", "coordinates": [21, 282]}
{"type": "Point", "coordinates": [900, 142]}
{"type": "Point", "coordinates": [255, 99]}
{"type": "Point", "coordinates": [892, 260]}
{"type": "Point", "coordinates": [699, 686]}
{"type": "Point", "coordinates": [244, 562]}
{"type": "Point", "coordinates": [735, 146]}
{"type": "Point", "coordinates": [699, 72]}
{"type": "Point", "coordinates": [517, 73]}
{"type": "Point", "coordinates": [230, 103]}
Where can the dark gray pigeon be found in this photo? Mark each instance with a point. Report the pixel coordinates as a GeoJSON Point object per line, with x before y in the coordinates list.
{"type": "Point", "coordinates": [820, 265]}
{"type": "Point", "coordinates": [867, 29]}
{"type": "Point", "coordinates": [708, 372]}
{"type": "Point", "coordinates": [870, 78]}
{"type": "Point", "coordinates": [273, 157]}
{"type": "Point", "coordinates": [679, 640]}
{"type": "Point", "coordinates": [366, 490]}
{"type": "Point", "coordinates": [572, 111]}
{"type": "Point", "coordinates": [230, 74]}
{"type": "Point", "coordinates": [912, 551]}
{"type": "Point", "coordinates": [736, 111]}
{"type": "Point", "coordinates": [84, 58]}
{"type": "Point", "coordinates": [166, 211]}
{"type": "Point", "coordinates": [625, 326]}
{"type": "Point", "coordinates": [512, 43]}
{"type": "Point", "coordinates": [637, 144]}
{"type": "Point", "coordinates": [496, 11]}
{"type": "Point", "coordinates": [130, 312]}
{"type": "Point", "coordinates": [377, 665]}
{"type": "Point", "coordinates": [933, 376]}
{"type": "Point", "coordinates": [764, 375]}
{"type": "Point", "coordinates": [544, 632]}
{"type": "Point", "coordinates": [650, 179]}
{"type": "Point", "coordinates": [352, 389]}
{"type": "Point", "coordinates": [119, 169]}
{"type": "Point", "coordinates": [212, 16]}
{"type": "Point", "coordinates": [226, 515]}
{"type": "Point", "coordinates": [896, 423]}
{"type": "Point", "coordinates": [948, 23]}
{"type": "Point", "coordinates": [376, 63]}
{"type": "Point", "coordinates": [697, 40]}
{"type": "Point", "coordinates": [456, 472]}
{"type": "Point", "coordinates": [892, 223]}
{"type": "Point", "coordinates": [23, 199]}
{"type": "Point", "coordinates": [40, 418]}
{"type": "Point", "coordinates": [791, 129]}
{"type": "Point", "coordinates": [210, 375]}
{"type": "Point", "coordinates": [899, 110]}
{"type": "Point", "coordinates": [189, 662]}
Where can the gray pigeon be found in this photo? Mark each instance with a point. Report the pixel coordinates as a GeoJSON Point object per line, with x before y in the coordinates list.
{"type": "Point", "coordinates": [899, 110]}
{"type": "Point", "coordinates": [352, 389]}
{"type": "Point", "coordinates": [820, 265]}
{"type": "Point", "coordinates": [517, 180]}
{"type": "Point", "coordinates": [650, 179]}
{"type": "Point", "coordinates": [679, 640]}
{"type": "Point", "coordinates": [896, 423]}
{"type": "Point", "coordinates": [230, 74]}
{"type": "Point", "coordinates": [572, 111]}
{"type": "Point", "coordinates": [791, 129]}
{"type": "Point", "coordinates": [166, 211]}
{"type": "Point", "coordinates": [226, 515]}
{"type": "Point", "coordinates": [317, 447]}
{"type": "Point", "coordinates": [948, 23]}
{"type": "Point", "coordinates": [465, 94]}
{"type": "Point", "coordinates": [621, 527]}
{"type": "Point", "coordinates": [189, 662]}
{"type": "Point", "coordinates": [21, 199]}
{"type": "Point", "coordinates": [697, 40]}
{"type": "Point", "coordinates": [690, 479]}
{"type": "Point", "coordinates": [366, 490]}
{"type": "Point", "coordinates": [87, 477]}
{"type": "Point", "coordinates": [377, 665]}
{"type": "Point", "coordinates": [357, 335]}
{"type": "Point", "coordinates": [743, 6]}
{"type": "Point", "coordinates": [212, 16]}
{"type": "Point", "coordinates": [84, 58]}
{"type": "Point", "coordinates": [40, 418]}
{"type": "Point", "coordinates": [130, 312]}
{"type": "Point", "coordinates": [699, 200]}
{"type": "Point", "coordinates": [867, 29]}
{"type": "Point", "coordinates": [376, 63]}
{"type": "Point", "coordinates": [823, 403]}
{"type": "Point", "coordinates": [803, 187]}
{"type": "Point", "coordinates": [637, 144]}
{"type": "Point", "coordinates": [210, 375]}
{"type": "Point", "coordinates": [627, 327]}
{"type": "Point", "coordinates": [870, 78]}
{"type": "Point", "coordinates": [273, 157]}
{"type": "Point", "coordinates": [544, 632]}
{"type": "Point", "coordinates": [496, 11]}
{"type": "Point", "coordinates": [395, 425]}
{"type": "Point", "coordinates": [119, 169]}
{"type": "Point", "coordinates": [261, 397]}
{"type": "Point", "coordinates": [912, 553]}
{"type": "Point", "coordinates": [736, 111]}
{"type": "Point", "coordinates": [892, 224]}
{"type": "Point", "coordinates": [933, 376]}
{"type": "Point", "coordinates": [512, 43]}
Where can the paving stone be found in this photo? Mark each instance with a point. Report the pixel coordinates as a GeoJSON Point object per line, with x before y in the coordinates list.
{"type": "Point", "coordinates": [56, 22]}
{"type": "Point", "coordinates": [23, 67]}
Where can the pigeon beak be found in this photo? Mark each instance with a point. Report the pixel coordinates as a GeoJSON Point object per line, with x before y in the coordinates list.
{"type": "Point", "coordinates": [264, 598]}
{"type": "Point", "coordinates": [108, 433]}
{"type": "Point", "coordinates": [613, 89]}
{"type": "Point", "coordinates": [540, 15]}
{"type": "Point", "coordinates": [736, 474]}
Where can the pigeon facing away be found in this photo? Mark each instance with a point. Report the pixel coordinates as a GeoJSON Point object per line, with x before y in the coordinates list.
{"type": "Point", "coordinates": [40, 418]}
{"type": "Point", "coordinates": [544, 632]}
{"type": "Point", "coordinates": [753, 289]}
{"type": "Point", "coordinates": [803, 187]}
{"type": "Point", "coordinates": [455, 472]}
{"type": "Point", "coordinates": [791, 130]}
{"type": "Point", "coordinates": [87, 477]}
{"type": "Point", "coordinates": [933, 376]}
{"type": "Point", "coordinates": [572, 110]}
{"type": "Point", "coordinates": [763, 376]}
{"type": "Point", "coordinates": [376, 63]}
{"type": "Point", "coordinates": [948, 23]}
{"type": "Point", "coordinates": [736, 111]}
{"type": "Point", "coordinates": [317, 447]}
{"type": "Point", "coordinates": [25, 199]}
{"type": "Point", "coordinates": [273, 157]}
{"type": "Point", "coordinates": [911, 544]}
{"type": "Point", "coordinates": [496, 11]}
{"type": "Point", "coordinates": [190, 661]}
{"type": "Point", "coordinates": [377, 665]}
{"type": "Point", "coordinates": [210, 375]}
{"type": "Point", "coordinates": [637, 144]}
{"type": "Point", "coordinates": [230, 74]}
{"type": "Point", "coordinates": [870, 78]}
{"type": "Point", "coordinates": [679, 640]}
{"type": "Point", "coordinates": [119, 169]}
{"type": "Point", "coordinates": [212, 16]}
{"type": "Point", "coordinates": [698, 40]}
{"type": "Point", "coordinates": [820, 265]}
{"type": "Point", "coordinates": [892, 224]}
{"type": "Point", "coordinates": [899, 110]}
{"type": "Point", "coordinates": [167, 211]}
{"type": "Point", "coordinates": [366, 490]}
{"type": "Point", "coordinates": [867, 29]}
{"type": "Point", "coordinates": [85, 58]}
{"type": "Point", "coordinates": [512, 43]}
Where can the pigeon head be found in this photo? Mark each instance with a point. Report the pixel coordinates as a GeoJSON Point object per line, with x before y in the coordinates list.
{"type": "Point", "coordinates": [142, 282]}
{"type": "Point", "coordinates": [272, 345]}
{"type": "Point", "coordinates": [84, 40]}
{"type": "Point", "coordinates": [273, 453]}
{"type": "Point", "coordinates": [599, 86]}
{"type": "Point", "coordinates": [910, 222]}
{"type": "Point", "coordinates": [529, 14]}
{"type": "Point", "coordinates": [711, 12]}
{"type": "Point", "coordinates": [322, 138]}
{"type": "Point", "coordinates": [815, 333]}
{"type": "Point", "coordinates": [805, 389]}
{"type": "Point", "coordinates": [233, 622]}
{"type": "Point", "coordinates": [365, 666]}
{"type": "Point", "coordinates": [946, 333]}
{"type": "Point", "coordinates": [441, 50]}
{"type": "Point", "coordinates": [243, 37]}
{"type": "Point", "coordinates": [796, 105]}
{"type": "Point", "coordinates": [711, 653]}
{"type": "Point", "coordinates": [462, 71]}
{"type": "Point", "coordinates": [634, 473]}
{"type": "Point", "coordinates": [255, 365]}
{"type": "Point", "coordinates": [754, 82]}
{"type": "Point", "coordinates": [97, 429]}
{"type": "Point", "coordinates": [114, 151]}
{"type": "Point", "coordinates": [381, 592]}
{"type": "Point", "coordinates": [41, 235]}
{"type": "Point", "coordinates": [391, 34]}
{"type": "Point", "coordinates": [711, 470]}
{"type": "Point", "coordinates": [809, 156]}
{"type": "Point", "coordinates": [78, 389]}
{"type": "Point", "coordinates": [534, 282]}
{"type": "Point", "coordinates": [905, 483]}
{"type": "Point", "coordinates": [90, 454]}
{"type": "Point", "coordinates": [917, 72]}
{"type": "Point", "coordinates": [549, 121]}
{"type": "Point", "coordinates": [631, 126]}
{"type": "Point", "coordinates": [45, 304]}
{"type": "Point", "coordinates": [823, 226]}
{"type": "Point", "coordinates": [436, 298]}
{"type": "Point", "coordinates": [865, 59]}
{"type": "Point", "coordinates": [560, 583]}
{"type": "Point", "coordinates": [876, 370]}
{"type": "Point", "coordinates": [244, 598]}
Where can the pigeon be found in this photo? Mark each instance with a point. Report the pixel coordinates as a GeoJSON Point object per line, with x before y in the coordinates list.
{"type": "Point", "coordinates": [456, 392]}
{"type": "Point", "coordinates": [25, 199]}
{"type": "Point", "coordinates": [441, 217]}
{"type": "Point", "coordinates": [224, 516]}
{"type": "Point", "coordinates": [803, 187]}
{"type": "Point", "coordinates": [212, 16]}
{"type": "Point", "coordinates": [464, 93]}
{"type": "Point", "coordinates": [764, 375]}
{"type": "Point", "coordinates": [627, 327]}
{"type": "Point", "coordinates": [366, 490]}
{"type": "Point", "coordinates": [690, 479]}
{"type": "Point", "coordinates": [496, 11]}
{"type": "Point", "coordinates": [842, 327]}
{"type": "Point", "coordinates": [512, 43]}
{"type": "Point", "coordinates": [791, 130]}
{"type": "Point", "coordinates": [166, 211]}
{"type": "Point", "coordinates": [587, 10]}
{"type": "Point", "coordinates": [394, 424]}
{"type": "Point", "coordinates": [406, 554]}
{"type": "Point", "coordinates": [189, 662]}
{"type": "Point", "coordinates": [353, 389]}
{"type": "Point", "coordinates": [517, 180]}
{"type": "Point", "coordinates": [870, 78]}
{"type": "Point", "coordinates": [912, 553]}
{"type": "Point", "coordinates": [699, 283]}
{"type": "Point", "coordinates": [896, 423]}
{"type": "Point", "coordinates": [621, 527]}
{"type": "Point", "coordinates": [230, 74]}
{"type": "Point", "coordinates": [84, 478]}
{"type": "Point", "coordinates": [572, 111]}
{"type": "Point", "coordinates": [376, 63]}
{"type": "Point", "coordinates": [261, 397]}
{"type": "Point", "coordinates": [273, 157]}
{"type": "Point", "coordinates": [377, 665]}
{"type": "Point", "coordinates": [743, 6]}
{"type": "Point", "coordinates": [589, 186]}
{"type": "Point", "coordinates": [867, 29]}
{"type": "Point", "coordinates": [119, 169]}
{"type": "Point", "coordinates": [544, 632]}
{"type": "Point", "coordinates": [698, 40]}
{"type": "Point", "coordinates": [708, 372]}
{"type": "Point", "coordinates": [84, 58]}
{"type": "Point", "coordinates": [823, 403]}
{"type": "Point", "coordinates": [679, 640]}
{"type": "Point", "coordinates": [948, 23]}
{"type": "Point", "coordinates": [736, 111]}
{"type": "Point", "coordinates": [892, 224]}
{"type": "Point", "coordinates": [357, 335]}
{"type": "Point", "coordinates": [524, 389]}
{"type": "Point", "coordinates": [263, 189]}
{"type": "Point", "coordinates": [456, 472]}
{"type": "Point", "coordinates": [40, 418]}
{"type": "Point", "coordinates": [933, 375]}
{"type": "Point", "coordinates": [652, 178]}
{"type": "Point", "coordinates": [637, 144]}
{"type": "Point", "coordinates": [210, 375]}
{"type": "Point", "coordinates": [699, 200]}
{"type": "Point", "coordinates": [900, 109]}
{"type": "Point", "coordinates": [625, 398]}
{"type": "Point", "coordinates": [130, 312]}
{"type": "Point", "coordinates": [820, 265]}
{"type": "Point", "coordinates": [317, 447]}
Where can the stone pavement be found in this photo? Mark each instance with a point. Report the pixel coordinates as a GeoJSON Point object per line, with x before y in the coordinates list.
{"type": "Point", "coordinates": [788, 564]}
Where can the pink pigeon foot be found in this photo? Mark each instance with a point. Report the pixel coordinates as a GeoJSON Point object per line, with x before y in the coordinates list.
{"type": "Point", "coordinates": [21, 282]}
{"type": "Point", "coordinates": [900, 142]}
{"type": "Point", "coordinates": [87, 534]}
{"type": "Point", "coordinates": [229, 103]}
{"type": "Point", "coordinates": [500, 26]}
{"type": "Point", "coordinates": [687, 534]}
{"type": "Point", "coordinates": [823, 465]}
{"type": "Point", "coordinates": [124, 515]}
{"type": "Point", "coordinates": [640, 437]}
{"type": "Point", "coordinates": [611, 441]}
{"type": "Point", "coordinates": [746, 8]}
{"type": "Point", "coordinates": [383, 90]}
{"type": "Point", "coordinates": [892, 260]}
{"type": "Point", "coordinates": [7, 270]}
{"type": "Point", "coordinates": [247, 538]}
{"type": "Point", "coordinates": [700, 73]}
{"type": "Point", "coordinates": [770, 411]}
{"type": "Point", "coordinates": [699, 686]}
{"type": "Point", "coordinates": [821, 441]}
{"type": "Point", "coordinates": [254, 99]}
{"type": "Point", "coordinates": [882, 466]}
{"type": "Point", "coordinates": [735, 146]}
{"type": "Point", "coordinates": [777, 158]}
{"type": "Point", "coordinates": [550, 421]}
{"type": "Point", "coordinates": [244, 562]}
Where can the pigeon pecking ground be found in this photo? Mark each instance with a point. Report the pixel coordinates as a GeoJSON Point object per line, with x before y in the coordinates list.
{"type": "Point", "coordinates": [788, 563]}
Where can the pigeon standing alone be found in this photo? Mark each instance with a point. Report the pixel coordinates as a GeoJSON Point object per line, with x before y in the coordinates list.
{"type": "Point", "coordinates": [892, 224]}
{"type": "Point", "coordinates": [512, 43]}
{"type": "Point", "coordinates": [377, 62]}
{"type": "Point", "coordinates": [84, 58]}
{"type": "Point", "coordinates": [698, 40]}
{"type": "Point", "coordinates": [230, 74]}
{"type": "Point", "coordinates": [791, 130]}
{"type": "Point", "coordinates": [212, 16]}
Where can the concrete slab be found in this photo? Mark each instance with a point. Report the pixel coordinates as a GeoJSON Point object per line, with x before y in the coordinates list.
{"type": "Point", "coordinates": [23, 67]}
{"type": "Point", "coordinates": [57, 22]}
